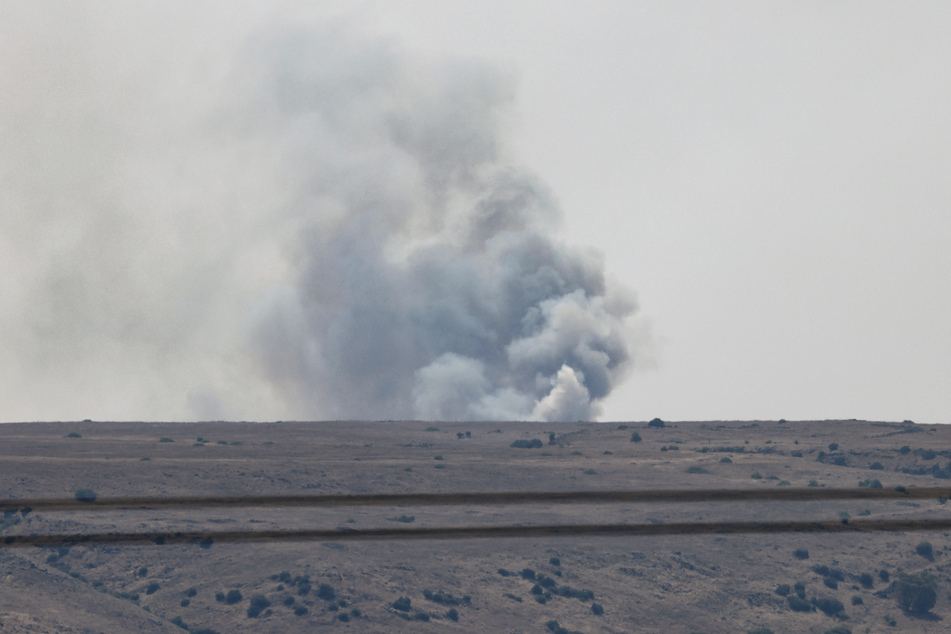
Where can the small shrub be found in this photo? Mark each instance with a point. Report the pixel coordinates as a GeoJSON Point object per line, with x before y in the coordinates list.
{"type": "Point", "coordinates": [528, 573]}
{"type": "Point", "coordinates": [757, 475]}
{"type": "Point", "coordinates": [452, 614]}
{"type": "Point", "coordinates": [597, 609]}
{"type": "Point", "coordinates": [166, 440]}
{"type": "Point", "coordinates": [220, 597]}
{"type": "Point", "coordinates": [760, 630]}
{"type": "Point", "coordinates": [829, 606]}
{"type": "Point", "coordinates": [800, 589]}
{"type": "Point", "coordinates": [142, 572]}
{"type": "Point", "coordinates": [404, 519]}
{"type": "Point", "coordinates": [838, 629]}
{"type": "Point", "coordinates": [546, 581]}
{"type": "Point", "coordinates": [830, 583]}
{"type": "Point", "coordinates": [185, 603]}
{"type": "Point", "coordinates": [656, 423]}
{"type": "Point", "coordinates": [191, 591]}
{"type": "Point", "coordinates": [179, 622]}
{"type": "Point", "coordinates": [890, 620]}
{"type": "Point", "coordinates": [783, 589]}
{"type": "Point", "coordinates": [840, 461]}
{"type": "Point", "coordinates": [85, 495]}
{"type": "Point", "coordinates": [444, 598]}
{"type": "Point", "coordinates": [801, 553]}
{"type": "Point", "coordinates": [258, 604]}
{"type": "Point", "coordinates": [857, 599]}
{"type": "Point", "coordinates": [73, 434]}
{"type": "Point", "coordinates": [696, 469]}
{"type": "Point", "coordinates": [917, 593]}
{"type": "Point", "coordinates": [798, 604]}
{"type": "Point", "coordinates": [300, 610]}
{"type": "Point", "coordinates": [927, 454]}
{"type": "Point", "coordinates": [833, 446]}
{"type": "Point", "coordinates": [876, 466]}
{"type": "Point", "coordinates": [635, 437]}
{"type": "Point", "coordinates": [726, 460]}
{"type": "Point", "coordinates": [883, 575]}
{"type": "Point", "coordinates": [403, 604]}
{"type": "Point", "coordinates": [905, 450]}
{"type": "Point", "coordinates": [152, 588]}
{"type": "Point", "coordinates": [326, 592]}
{"type": "Point", "coordinates": [925, 550]}
{"type": "Point", "coordinates": [288, 601]}
{"type": "Point", "coordinates": [233, 596]}
{"type": "Point", "coordinates": [866, 580]}
{"type": "Point", "coordinates": [796, 453]}
{"type": "Point", "coordinates": [506, 573]}
{"type": "Point", "coordinates": [534, 443]}
{"type": "Point", "coordinates": [555, 561]}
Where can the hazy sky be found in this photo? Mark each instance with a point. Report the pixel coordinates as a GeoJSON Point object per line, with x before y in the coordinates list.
{"type": "Point", "coordinates": [769, 179]}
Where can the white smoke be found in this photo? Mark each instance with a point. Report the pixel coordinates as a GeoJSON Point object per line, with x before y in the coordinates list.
{"type": "Point", "coordinates": [316, 225]}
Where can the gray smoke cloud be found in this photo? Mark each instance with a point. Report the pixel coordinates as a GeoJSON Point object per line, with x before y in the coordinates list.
{"type": "Point", "coordinates": [316, 224]}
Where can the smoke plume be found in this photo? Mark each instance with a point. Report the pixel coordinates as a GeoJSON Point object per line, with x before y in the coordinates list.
{"type": "Point", "coordinates": [316, 225]}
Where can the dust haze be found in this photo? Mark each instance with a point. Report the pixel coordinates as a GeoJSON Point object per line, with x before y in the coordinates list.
{"type": "Point", "coordinates": [280, 219]}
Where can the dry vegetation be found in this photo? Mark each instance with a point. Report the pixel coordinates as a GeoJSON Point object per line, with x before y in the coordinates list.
{"type": "Point", "coordinates": [716, 583]}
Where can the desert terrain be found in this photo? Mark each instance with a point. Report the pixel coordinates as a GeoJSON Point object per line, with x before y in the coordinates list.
{"type": "Point", "coordinates": [730, 582]}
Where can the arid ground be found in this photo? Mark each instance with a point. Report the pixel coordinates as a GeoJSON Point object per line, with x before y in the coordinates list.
{"type": "Point", "coordinates": [648, 583]}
